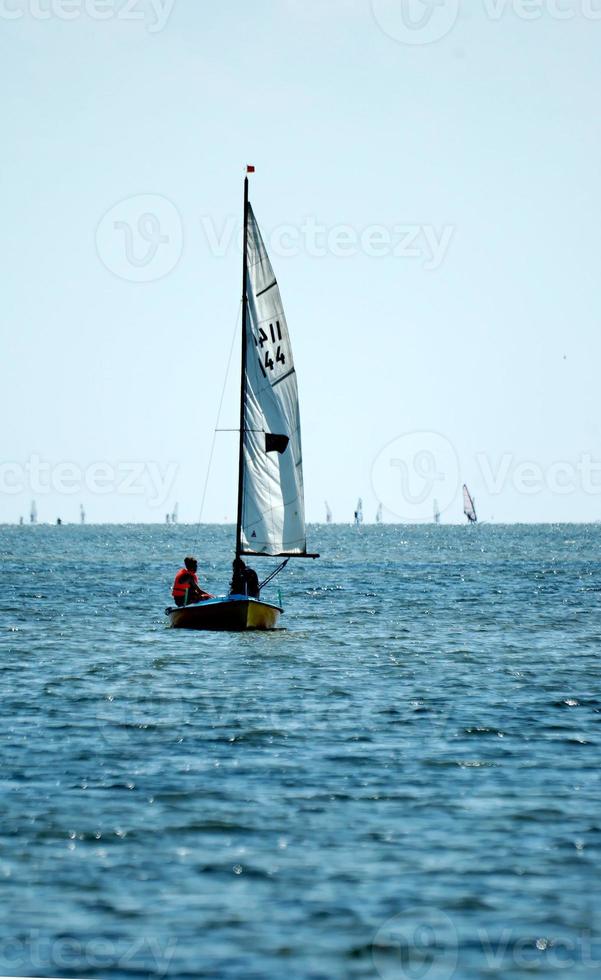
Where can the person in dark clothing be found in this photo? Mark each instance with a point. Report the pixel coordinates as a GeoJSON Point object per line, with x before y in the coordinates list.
{"type": "Point", "coordinates": [252, 584]}
{"type": "Point", "coordinates": [245, 581]}
{"type": "Point", "coordinates": [238, 583]}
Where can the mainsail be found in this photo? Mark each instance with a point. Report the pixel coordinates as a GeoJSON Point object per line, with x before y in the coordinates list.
{"type": "Point", "coordinates": [469, 506]}
{"type": "Point", "coordinates": [272, 509]}
{"type": "Point", "coordinates": [436, 512]}
{"type": "Point", "coordinates": [329, 515]}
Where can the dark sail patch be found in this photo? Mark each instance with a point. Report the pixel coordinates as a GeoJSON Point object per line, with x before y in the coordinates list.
{"type": "Point", "coordinates": [276, 444]}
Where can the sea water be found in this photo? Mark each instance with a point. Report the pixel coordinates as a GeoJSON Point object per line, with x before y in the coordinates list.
{"type": "Point", "coordinates": [402, 782]}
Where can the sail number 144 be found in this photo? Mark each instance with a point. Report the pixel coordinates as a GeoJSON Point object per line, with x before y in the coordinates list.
{"type": "Point", "coordinates": [270, 353]}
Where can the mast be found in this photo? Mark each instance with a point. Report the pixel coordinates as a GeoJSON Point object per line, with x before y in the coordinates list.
{"type": "Point", "coordinates": [243, 371]}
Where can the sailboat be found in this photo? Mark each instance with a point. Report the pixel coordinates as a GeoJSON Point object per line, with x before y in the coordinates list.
{"type": "Point", "coordinates": [380, 514]}
{"type": "Point", "coordinates": [271, 508]}
{"type": "Point", "coordinates": [33, 513]}
{"type": "Point", "coordinates": [469, 506]}
{"type": "Point", "coordinates": [436, 512]}
{"type": "Point", "coordinates": [329, 515]}
{"type": "Point", "coordinates": [359, 513]}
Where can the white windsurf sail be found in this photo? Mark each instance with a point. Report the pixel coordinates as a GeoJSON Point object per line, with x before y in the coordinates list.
{"type": "Point", "coordinates": [469, 506]}
{"type": "Point", "coordinates": [329, 515]}
{"type": "Point", "coordinates": [271, 508]}
{"type": "Point", "coordinates": [359, 513]}
{"type": "Point", "coordinates": [436, 512]}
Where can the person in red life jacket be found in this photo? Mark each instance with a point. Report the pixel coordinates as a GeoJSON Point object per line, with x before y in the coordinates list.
{"type": "Point", "coordinates": [186, 590]}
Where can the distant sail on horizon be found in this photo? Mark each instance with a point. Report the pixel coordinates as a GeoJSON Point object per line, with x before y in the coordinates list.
{"type": "Point", "coordinates": [436, 512]}
{"type": "Point", "coordinates": [329, 515]}
{"type": "Point", "coordinates": [469, 506]}
{"type": "Point", "coordinates": [359, 513]}
{"type": "Point", "coordinates": [380, 514]}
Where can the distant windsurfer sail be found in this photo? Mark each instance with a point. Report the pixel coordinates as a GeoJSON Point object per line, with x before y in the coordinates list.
{"type": "Point", "coordinates": [469, 506]}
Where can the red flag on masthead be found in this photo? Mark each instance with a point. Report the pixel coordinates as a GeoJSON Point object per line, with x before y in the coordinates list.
{"type": "Point", "coordinates": [250, 170]}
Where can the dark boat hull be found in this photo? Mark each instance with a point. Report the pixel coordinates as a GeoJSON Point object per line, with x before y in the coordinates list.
{"type": "Point", "coordinates": [232, 614]}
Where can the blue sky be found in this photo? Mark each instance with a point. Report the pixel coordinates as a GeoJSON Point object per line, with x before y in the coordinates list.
{"type": "Point", "coordinates": [433, 215]}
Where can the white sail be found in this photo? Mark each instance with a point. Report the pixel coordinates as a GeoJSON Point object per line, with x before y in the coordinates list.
{"type": "Point", "coordinates": [359, 513]}
{"type": "Point", "coordinates": [329, 515]}
{"type": "Point", "coordinates": [469, 507]}
{"type": "Point", "coordinates": [273, 509]}
{"type": "Point", "coordinates": [436, 512]}
{"type": "Point", "coordinates": [380, 514]}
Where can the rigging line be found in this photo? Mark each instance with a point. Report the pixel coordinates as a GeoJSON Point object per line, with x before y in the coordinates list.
{"type": "Point", "coordinates": [271, 577]}
{"type": "Point", "coordinates": [219, 410]}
